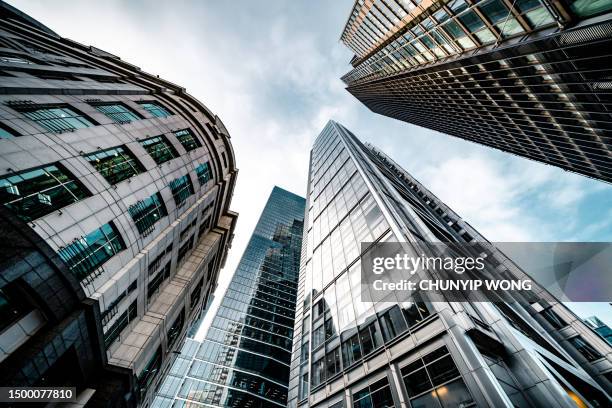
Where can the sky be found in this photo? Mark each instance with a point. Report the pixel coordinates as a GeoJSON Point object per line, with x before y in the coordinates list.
{"type": "Point", "coordinates": [270, 70]}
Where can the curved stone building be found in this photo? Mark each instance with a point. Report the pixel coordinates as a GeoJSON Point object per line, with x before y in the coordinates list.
{"type": "Point", "coordinates": [127, 178]}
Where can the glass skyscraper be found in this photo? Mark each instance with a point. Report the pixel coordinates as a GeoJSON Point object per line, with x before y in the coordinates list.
{"type": "Point", "coordinates": [244, 360]}
{"type": "Point", "coordinates": [527, 352]}
{"type": "Point", "coordinates": [527, 77]}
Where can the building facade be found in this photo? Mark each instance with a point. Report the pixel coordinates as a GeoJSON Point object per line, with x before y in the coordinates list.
{"type": "Point", "coordinates": [128, 179]}
{"type": "Point", "coordinates": [528, 77]}
{"type": "Point", "coordinates": [526, 352]}
{"type": "Point", "coordinates": [244, 360]}
{"type": "Point", "coordinates": [600, 328]}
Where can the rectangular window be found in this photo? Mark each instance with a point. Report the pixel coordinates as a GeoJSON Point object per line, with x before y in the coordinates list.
{"type": "Point", "coordinates": [156, 282]}
{"type": "Point", "coordinates": [159, 149]}
{"type": "Point", "coordinates": [187, 139]}
{"type": "Point", "coordinates": [31, 194]}
{"type": "Point", "coordinates": [585, 348]}
{"type": "Point", "coordinates": [155, 109]}
{"type": "Point", "coordinates": [55, 119]}
{"type": "Point", "coordinates": [118, 112]}
{"type": "Point", "coordinates": [184, 249]}
{"type": "Point", "coordinates": [197, 292]}
{"type": "Point", "coordinates": [175, 330]}
{"type": "Point", "coordinates": [204, 173]}
{"type": "Point", "coordinates": [145, 379]}
{"type": "Point", "coordinates": [85, 255]}
{"type": "Point", "coordinates": [6, 132]}
{"type": "Point", "coordinates": [370, 338]}
{"type": "Point", "coordinates": [376, 395]}
{"type": "Point", "coordinates": [432, 378]}
{"type": "Point", "coordinates": [332, 363]}
{"type": "Point", "coordinates": [181, 189]}
{"type": "Point", "coordinates": [115, 164]}
{"type": "Point", "coordinates": [553, 318]}
{"type": "Point", "coordinates": [147, 212]}
{"type": "Point", "coordinates": [121, 323]}
{"type": "Point", "coordinates": [111, 310]}
{"type": "Point", "coordinates": [351, 350]}
{"type": "Point", "coordinates": [318, 372]}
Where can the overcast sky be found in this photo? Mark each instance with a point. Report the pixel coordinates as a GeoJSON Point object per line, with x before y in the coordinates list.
{"type": "Point", "coordinates": [271, 69]}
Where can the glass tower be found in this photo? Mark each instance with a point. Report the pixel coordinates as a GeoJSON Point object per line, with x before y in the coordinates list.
{"type": "Point", "coordinates": [522, 76]}
{"type": "Point", "coordinates": [244, 360]}
{"type": "Point", "coordinates": [414, 352]}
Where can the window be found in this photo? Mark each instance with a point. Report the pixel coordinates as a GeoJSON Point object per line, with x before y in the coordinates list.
{"type": "Point", "coordinates": [392, 323]}
{"type": "Point", "coordinates": [111, 310]}
{"type": "Point", "coordinates": [115, 164]}
{"type": "Point", "coordinates": [147, 212]}
{"type": "Point", "coordinates": [159, 149]}
{"type": "Point", "coordinates": [117, 112]}
{"type": "Point", "coordinates": [55, 119]}
{"type": "Point", "coordinates": [181, 189]}
{"type": "Point", "coordinates": [31, 194]}
{"type": "Point", "coordinates": [6, 132]}
{"type": "Point", "coordinates": [318, 372]}
{"type": "Point", "coordinates": [145, 379]}
{"type": "Point", "coordinates": [197, 292]}
{"type": "Point", "coordinates": [13, 306]}
{"type": "Point", "coordinates": [121, 323]}
{"type": "Point", "coordinates": [187, 139]}
{"type": "Point", "coordinates": [332, 362]}
{"type": "Point", "coordinates": [86, 254]}
{"type": "Point", "coordinates": [203, 172]}
{"type": "Point", "coordinates": [377, 395]}
{"type": "Point", "coordinates": [15, 59]}
{"type": "Point", "coordinates": [370, 338]}
{"type": "Point", "coordinates": [553, 318]}
{"type": "Point", "coordinates": [435, 378]}
{"type": "Point", "coordinates": [585, 348]}
{"type": "Point", "coordinates": [175, 329]}
{"type": "Point", "coordinates": [155, 109]}
{"type": "Point", "coordinates": [415, 311]}
{"type": "Point", "coordinates": [156, 282]}
{"type": "Point", "coordinates": [184, 249]}
{"type": "Point", "coordinates": [351, 350]}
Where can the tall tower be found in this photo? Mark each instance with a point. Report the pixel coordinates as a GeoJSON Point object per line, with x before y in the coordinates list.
{"type": "Point", "coordinates": [127, 180]}
{"type": "Point", "coordinates": [417, 353]}
{"type": "Point", "coordinates": [529, 77]}
{"type": "Point", "coordinates": [244, 360]}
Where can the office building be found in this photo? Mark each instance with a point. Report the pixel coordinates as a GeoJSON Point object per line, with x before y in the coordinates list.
{"type": "Point", "coordinates": [127, 179]}
{"type": "Point", "coordinates": [244, 359]}
{"type": "Point", "coordinates": [527, 77]}
{"type": "Point", "coordinates": [528, 351]}
{"type": "Point", "coordinates": [600, 327]}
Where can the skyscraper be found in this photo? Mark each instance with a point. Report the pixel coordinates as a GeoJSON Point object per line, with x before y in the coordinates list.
{"type": "Point", "coordinates": [127, 180]}
{"type": "Point", "coordinates": [244, 360]}
{"type": "Point", "coordinates": [527, 77]}
{"type": "Point", "coordinates": [418, 353]}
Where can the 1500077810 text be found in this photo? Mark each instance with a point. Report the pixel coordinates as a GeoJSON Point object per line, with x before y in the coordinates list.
{"type": "Point", "coordinates": [37, 394]}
